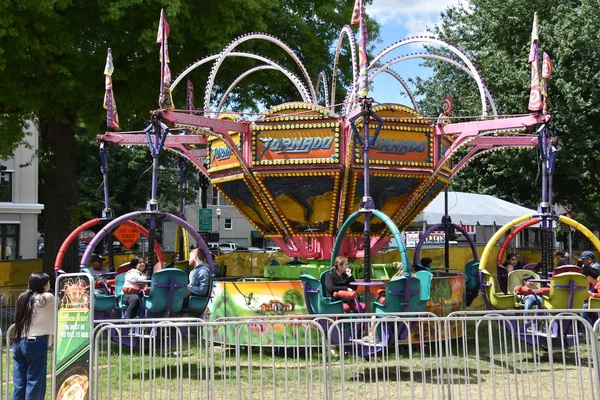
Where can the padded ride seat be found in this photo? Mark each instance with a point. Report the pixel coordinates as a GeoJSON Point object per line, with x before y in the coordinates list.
{"type": "Point", "coordinates": [567, 290]}
{"type": "Point", "coordinates": [593, 303]}
{"type": "Point", "coordinates": [102, 302]}
{"type": "Point", "coordinates": [425, 278]}
{"type": "Point", "coordinates": [314, 299]}
{"type": "Point", "coordinates": [168, 288]}
{"type": "Point", "coordinates": [490, 289]}
{"type": "Point", "coordinates": [198, 304]}
{"type": "Point", "coordinates": [515, 278]}
{"type": "Point", "coordinates": [402, 294]}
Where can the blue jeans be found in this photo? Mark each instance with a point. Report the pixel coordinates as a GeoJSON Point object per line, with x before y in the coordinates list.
{"type": "Point", "coordinates": [29, 368]}
{"type": "Point", "coordinates": [530, 300]}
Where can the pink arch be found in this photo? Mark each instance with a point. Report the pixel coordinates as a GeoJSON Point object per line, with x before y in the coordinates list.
{"type": "Point", "coordinates": [511, 236]}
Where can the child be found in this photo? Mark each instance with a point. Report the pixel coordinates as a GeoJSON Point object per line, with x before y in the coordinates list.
{"type": "Point", "coordinates": [528, 294]}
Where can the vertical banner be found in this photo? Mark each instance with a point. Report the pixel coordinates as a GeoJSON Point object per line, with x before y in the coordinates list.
{"type": "Point", "coordinates": [73, 338]}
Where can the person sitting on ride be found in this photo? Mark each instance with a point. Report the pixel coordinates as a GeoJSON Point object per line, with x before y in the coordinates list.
{"type": "Point", "coordinates": [511, 262]}
{"type": "Point", "coordinates": [424, 265]}
{"type": "Point", "coordinates": [133, 287]}
{"type": "Point", "coordinates": [529, 294]}
{"type": "Point", "coordinates": [560, 256]}
{"type": "Point", "coordinates": [593, 287]}
{"type": "Point", "coordinates": [337, 284]}
{"type": "Point", "coordinates": [97, 271]}
{"type": "Point", "coordinates": [200, 275]}
{"type": "Point", "coordinates": [588, 259]}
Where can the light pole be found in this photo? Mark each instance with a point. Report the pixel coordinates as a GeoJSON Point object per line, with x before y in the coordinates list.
{"type": "Point", "coordinates": [218, 210]}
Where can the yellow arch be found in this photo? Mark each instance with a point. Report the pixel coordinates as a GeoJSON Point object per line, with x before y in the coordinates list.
{"type": "Point", "coordinates": [186, 242]}
{"type": "Point", "coordinates": [517, 221]}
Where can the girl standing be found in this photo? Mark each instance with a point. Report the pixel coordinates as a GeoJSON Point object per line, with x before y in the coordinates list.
{"type": "Point", "coordinates": [33, 330]}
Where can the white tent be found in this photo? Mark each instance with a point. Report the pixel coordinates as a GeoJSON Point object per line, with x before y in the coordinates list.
{"type": "Point", "coordinates": [470, 209]}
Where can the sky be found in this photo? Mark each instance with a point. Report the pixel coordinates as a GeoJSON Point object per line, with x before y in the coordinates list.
{"type": "Point", "coordinates": [400, 19]}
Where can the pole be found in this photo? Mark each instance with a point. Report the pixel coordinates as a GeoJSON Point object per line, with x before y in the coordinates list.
{"type": "Point", "coordinates": [107, 213]}
{"type": "Point", "coordinates": [367, 202]}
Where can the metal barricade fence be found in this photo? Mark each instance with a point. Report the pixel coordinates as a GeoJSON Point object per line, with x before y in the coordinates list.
{"type": "Point", "coordinates": [192, 360]}
{"type": "Point", "coordinates": [467, 355]}
{"type": "Point", "coordinates": [8, 303]}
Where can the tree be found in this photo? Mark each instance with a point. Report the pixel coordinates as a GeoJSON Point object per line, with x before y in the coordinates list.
{"type": "Point", "coordinates": [293, 297]}
{"type": "Point", "coordinates": [497, 35]}
{"type": "Point", "coordinates": [53, 55]}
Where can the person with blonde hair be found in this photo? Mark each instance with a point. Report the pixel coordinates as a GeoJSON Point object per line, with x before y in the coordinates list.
{"type": "Point", "coordinates": [337, 284]}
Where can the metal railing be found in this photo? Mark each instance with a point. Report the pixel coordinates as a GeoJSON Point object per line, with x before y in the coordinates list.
{"type": "Point", "coordinates": [466, 355]}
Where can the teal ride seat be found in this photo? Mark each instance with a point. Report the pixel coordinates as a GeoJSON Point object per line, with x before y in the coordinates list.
{"type": "Point", "coordinates": [198, 304]}
{"type": "Point", "coordinates": [102, 302]}
{"type": "Point", "coordinates": [323, 290]}
{"type": "Point", "coordinates": [425, 278]}
{"type": "Point", "coordinates": [472, 276]}
{"type": "Point", "coordinates": [168, 288]}
{"type": "Point", "coordinates": [119, 283]}
{"type": "Point", "coordinates": [402, 294]}
{"type": "Point", "coordinates": [314, 299]}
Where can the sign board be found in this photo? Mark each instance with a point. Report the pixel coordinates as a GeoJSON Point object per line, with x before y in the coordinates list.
{"type": "Point", "coordinates": [205, 219]}
{"type": "Point", "coordinates": [73, 338]}
{"type": "Point", "coordinates": [127, 235]}
{"type": "Point", "coordinates": [435, 237]}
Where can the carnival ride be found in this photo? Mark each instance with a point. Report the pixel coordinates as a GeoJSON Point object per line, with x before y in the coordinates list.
{"type": "Point", "coordinates": [321, 179]}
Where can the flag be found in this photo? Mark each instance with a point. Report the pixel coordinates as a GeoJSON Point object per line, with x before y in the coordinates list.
{"type": "Point", "coordinates": [358, 18]}
{"type": "Point", "coordinates": [112, 118]}
{"type": "Point", "coordinates": [165, 99]}
{"type": "Point", "coordinates": [535, 92]}
{"type": "Point", "coordinates": [546, 74]}
{"type": "Point", "coordinates": [189, 101]}
{"type": "Point", "coordinates": [448, 104]}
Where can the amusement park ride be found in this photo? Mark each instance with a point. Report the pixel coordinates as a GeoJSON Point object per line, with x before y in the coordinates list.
{"type": "Point", "coordinates": [323, 179]}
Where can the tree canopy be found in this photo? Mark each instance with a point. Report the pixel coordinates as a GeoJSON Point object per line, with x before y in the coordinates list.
{"type": "Point", "coordinates": [497, 35]}
{"type": "Point", "coordinates": [53, 54]}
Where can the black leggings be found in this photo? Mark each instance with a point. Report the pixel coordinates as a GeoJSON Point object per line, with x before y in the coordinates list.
{"type": "Point", "coordinates": [134, 303]}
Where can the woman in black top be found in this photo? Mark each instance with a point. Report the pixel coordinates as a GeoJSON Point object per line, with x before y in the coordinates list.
{"type": "Point", "coordinates": [337, 284]}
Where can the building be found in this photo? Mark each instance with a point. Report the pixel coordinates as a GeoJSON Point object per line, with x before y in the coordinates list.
{"type": "Point", "coordinates": [19, 207]}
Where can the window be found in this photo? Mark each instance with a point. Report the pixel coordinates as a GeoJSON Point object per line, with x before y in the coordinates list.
{"type": "Point", "coordinates": [228, 224]}
{"type": "Point", "coordinates": [215, 196]}
{"type": "Point", "coordinates": [6, 187]}
{"type": "Point", "coordinates": [9, 241]}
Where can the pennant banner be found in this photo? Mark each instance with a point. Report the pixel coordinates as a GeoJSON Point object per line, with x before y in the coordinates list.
{"type": "Point", "coordinates": [546, 74]}
{"type": "Point", "coordinates": [165, 100]}
{"type": "Point", "coordinates": [112, 118]}
{"type": "Point", "coordinates": [535, 92]}
{"type": "Point", "coordinates": [448, 104]}
{"type": "Point", "coordinates": [189, 103]}
{"type": "Point", "coordinates": [358, 18]}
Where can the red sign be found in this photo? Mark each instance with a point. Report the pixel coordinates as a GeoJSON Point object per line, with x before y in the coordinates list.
{"type": "Point", "coordinates": [127, 235]}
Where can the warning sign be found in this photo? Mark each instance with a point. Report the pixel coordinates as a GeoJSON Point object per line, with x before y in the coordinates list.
{"type": "Point", "coordinates": [127, 235]}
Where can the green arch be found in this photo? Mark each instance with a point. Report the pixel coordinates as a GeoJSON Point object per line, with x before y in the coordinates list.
{"type": "Point", "coordinates": [391, 226]}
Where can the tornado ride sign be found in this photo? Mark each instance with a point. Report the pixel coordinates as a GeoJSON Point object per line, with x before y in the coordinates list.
{"type": "Point", "coordinates": [73, 337]}
{"type": "Point", "coordinates": [127, 235]}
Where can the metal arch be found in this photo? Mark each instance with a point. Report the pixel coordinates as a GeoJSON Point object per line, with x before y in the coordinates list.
{"type": "Point", "coordinates": [240, 40]}
{"type": "Point", "coordinates": [348, 32]}
{"type": "Point", "coordinates": [296, 82]}
{"type": "Point", "coordinates": [396, 60]}
{"type": "Point", "coordinates": [266, 60]}
{"type": "Point", "coordinates": [322, 77]}
{"type": "Point", "coordinates": [455, 50]}
{"type": "Point", "coordinates": [404, 84]}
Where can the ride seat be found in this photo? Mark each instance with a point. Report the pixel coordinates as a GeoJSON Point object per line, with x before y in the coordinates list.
{"type": "Point", "coordinates": [102, 302]}
{"type": "Point", "coordinates": [425, 278]}
{"type": "Point", "coordinates": [492, 294]}
{"type": "Point", "coordinates": [402, 294]}
{"type": "Point", "coordinates": [567, 290]}
{"type": "Point", "coordinates": [515, 278]}
{"type": "Point", "coordinates": [472, 276]}
{"type": "Point", "coordinates": [168, 288]}
{"type": "Point", "coordinates": [314, 299]}
{"type": "Point", "coordinates": [198, 304]}
{"type": "Point", "coordinates": [566, 268]}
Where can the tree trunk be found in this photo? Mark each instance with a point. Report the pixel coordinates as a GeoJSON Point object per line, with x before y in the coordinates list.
{"type": "Point", "coordinates": [59, 188]}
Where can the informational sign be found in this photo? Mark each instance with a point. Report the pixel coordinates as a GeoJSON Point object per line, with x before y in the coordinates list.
{"type": "Point", "coordinates": [127, 235]}
{"type": "Point", "coordinates": [435, 237]}
{"type": "Point", "coordinates": [73, 337]}
{"type": "Point", "coordinates": [205, 219]}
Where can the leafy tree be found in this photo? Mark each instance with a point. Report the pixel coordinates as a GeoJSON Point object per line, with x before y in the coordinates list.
{"type": "Point", "coordinates": [52, 60]}
{"type": "Point", "coordinates": [497, 35]}
{"type": "Point", "coordinates": [293, 297]}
